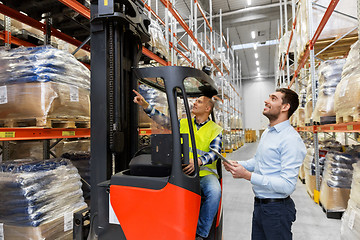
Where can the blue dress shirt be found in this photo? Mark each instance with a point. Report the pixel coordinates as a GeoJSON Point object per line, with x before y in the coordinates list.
{"type": "Point", "coordinates": [275, 166]}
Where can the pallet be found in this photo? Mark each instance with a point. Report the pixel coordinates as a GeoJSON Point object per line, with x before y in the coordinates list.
{"type": "Point", "coordinates": [339, 50]}
{"type": "Point", "coordinates": [332, 214]}
{"type": "Point", "coordinates": [46, 123]}
{"type": "Point", "coordinates": [348, 118]}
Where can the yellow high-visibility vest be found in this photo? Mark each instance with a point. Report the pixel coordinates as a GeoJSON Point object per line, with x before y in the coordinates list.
{"type": "Point", "coordinates": [203, 138]}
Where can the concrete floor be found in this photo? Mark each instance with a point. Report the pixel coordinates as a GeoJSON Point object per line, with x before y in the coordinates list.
{"type": "Point", "coordinates": [311, 222]}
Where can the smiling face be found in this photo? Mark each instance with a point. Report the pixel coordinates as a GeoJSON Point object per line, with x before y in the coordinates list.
{"type": "Point", "coordinates": [274, 106]}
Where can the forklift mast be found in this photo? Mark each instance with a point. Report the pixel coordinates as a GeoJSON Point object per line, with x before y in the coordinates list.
{"type": "Point", "coordinates": [118, 29]}
{"type": "Point", "coordinates": [136, 194]}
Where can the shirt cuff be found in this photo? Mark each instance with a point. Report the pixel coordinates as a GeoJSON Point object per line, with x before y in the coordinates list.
{"type": "Point", "coordinates": [256, 179]}
{"type": "Point", "coordinates": [203, 160]}
{"type": "Point", "coordinates": [148, 109]}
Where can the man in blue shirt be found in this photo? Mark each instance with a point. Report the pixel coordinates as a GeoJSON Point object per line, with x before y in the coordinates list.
{"type": "Point", "coordinates": [274, 169]}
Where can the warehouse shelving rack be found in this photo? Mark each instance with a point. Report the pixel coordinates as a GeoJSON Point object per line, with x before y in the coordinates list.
{"type": "Point", "coordinates": [38, 133]}
{"type": "Point", "coordinates": [210, 49]}
{"type": "Point", "coordinates": [350, 127]}
{"type": "Point", "coordinates": [216, 43]}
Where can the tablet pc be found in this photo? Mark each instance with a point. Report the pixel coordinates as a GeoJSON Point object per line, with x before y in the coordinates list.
{"type": "Point", "coordinates": [221, 156]}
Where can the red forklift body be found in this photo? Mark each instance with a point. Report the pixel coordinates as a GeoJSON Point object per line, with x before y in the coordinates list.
{"type": "Point", "coordinates": [169, 213]}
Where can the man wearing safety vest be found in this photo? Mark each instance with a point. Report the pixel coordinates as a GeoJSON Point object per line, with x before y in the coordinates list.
{"type": "Point", "coordinates": [207, 134]}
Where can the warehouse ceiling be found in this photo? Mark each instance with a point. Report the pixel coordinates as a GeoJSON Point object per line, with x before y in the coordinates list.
{"type": "Point", "coordinates": [238, 18]}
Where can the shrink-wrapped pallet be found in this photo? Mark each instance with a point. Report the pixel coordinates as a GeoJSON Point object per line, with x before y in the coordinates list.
{"type": "Point", "coordinates": [42, 83]}
{"type": "Point", "coordinates": [226, 140]}
{"type": "Point", "coordinates": [302, 98]}
{"type": "Point", "coordinates": [158, 100]}
{"type": "Point", "coordinates": [39, 198]}
{"type": "Point", "coordinates": [300, 117]}
{"type": "Point", "coordinates": [337, 178]}
{"type": "Point", "coordinates": [310, 178]}
{"type": "Point", "coordinates": [308, 109]}
{"type": "Point", "coordinates": [347, 94]}
{"type": "Point", "coordinates": [350, 222]}
{"type": "Point", "coordinates": [329, 77]}
{"type": "Point", "coordinates": [157, 39]}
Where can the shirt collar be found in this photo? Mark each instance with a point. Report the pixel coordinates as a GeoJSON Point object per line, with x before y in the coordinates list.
{"type": "Point", "coordinates": [280, 126]}
{"type": "Point", "coordinates": [201, 124]}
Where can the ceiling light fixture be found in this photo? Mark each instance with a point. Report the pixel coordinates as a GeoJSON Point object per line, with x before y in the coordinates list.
{"type": "Point", "coordinates": [255, 46]}
{"type": "Point", "coordinates": [249, 2]}
{"type": "Point", "coordinates": [256, 55]}
{"type": "Point", "coordinates": [257, 63]}
{"type": "Point", "coordinates": [258, 69]}
{"type": "Point", "coordinates": [253, 34]}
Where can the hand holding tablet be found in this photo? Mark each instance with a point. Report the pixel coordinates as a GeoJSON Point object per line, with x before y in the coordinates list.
{"type": "Point", "coordinates": [221, 157]}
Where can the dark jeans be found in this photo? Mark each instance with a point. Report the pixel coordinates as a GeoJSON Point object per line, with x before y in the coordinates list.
{"type": "Point", "coordinates": [273, 221]}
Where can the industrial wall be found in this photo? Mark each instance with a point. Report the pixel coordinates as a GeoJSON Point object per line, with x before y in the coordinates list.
{"type": "Point", "coordinates": [255, 92]}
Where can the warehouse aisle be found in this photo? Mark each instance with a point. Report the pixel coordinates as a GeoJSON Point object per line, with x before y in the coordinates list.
{"type": "Point", "coordinates": [311, 223]}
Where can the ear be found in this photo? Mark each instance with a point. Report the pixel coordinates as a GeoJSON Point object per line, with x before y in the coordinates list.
{"type": "Point", "coordinates": [208, 109]}
{"type": "Point", "coordinates": [286, 107]}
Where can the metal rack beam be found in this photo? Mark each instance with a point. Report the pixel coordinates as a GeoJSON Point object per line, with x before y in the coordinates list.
{"type": "Point", "coordinates": [11, 134]}
{"type": "Point", "coordinates": [315, 37]}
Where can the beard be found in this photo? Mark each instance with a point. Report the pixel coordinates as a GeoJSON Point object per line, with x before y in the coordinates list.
{"type": "Point", "coordinates": [272, 115]}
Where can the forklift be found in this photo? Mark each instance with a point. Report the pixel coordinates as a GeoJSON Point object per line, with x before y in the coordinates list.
{"type": "Point", "coordinates": [138, 193]}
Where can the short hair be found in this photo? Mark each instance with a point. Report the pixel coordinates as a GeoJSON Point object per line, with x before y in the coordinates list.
{"type": "Point", "coordinates": [290, 97]}
{"type": "Point", "coordinates": [211, 104]}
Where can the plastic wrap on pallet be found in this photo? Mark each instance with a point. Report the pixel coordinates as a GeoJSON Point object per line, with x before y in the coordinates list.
{"type": "Point", "coordinates": [336, 26]}
{"type": "Point", "coordinates": [308, 105]}
{"type": "Point", "coordinates": [302, 96]}
{"type": "Point", "coordinates": [78, 151]}
{"type": "Point", "coordinates": [36, 193]}
{"type": "Point", "coordinates": [43, 82]}
{"type": "Point", "coordinates": [338, 169]}
{"type": "Point", "coordinates": [310, 179]}
{"type": "Point", "coordinates": [226, 140]}
{"type": "Point", "coordinates": [329, 77]}
{"type": "Point", "coordinates": [350, 222]}
{"type": "Point", "coordinates": [299, 117]}
{"type": "Point", "coordinates": [81, 160]}
{"type": "Point", "coordinates": [235, 122]}
{"type": "Point", "coordinates": [336, 184]}
{"type": "Point", "coordinates": [157, 39]}
{"type": "Point", "coordinates": [347, 94]}
{"type": "Point", "coordinates": [355, 185]}
{"type": "Point", "coordinates": [157, 99]}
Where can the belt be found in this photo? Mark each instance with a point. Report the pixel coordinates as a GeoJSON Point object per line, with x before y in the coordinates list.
{"type": "Point", "coordinates": [270, 200]}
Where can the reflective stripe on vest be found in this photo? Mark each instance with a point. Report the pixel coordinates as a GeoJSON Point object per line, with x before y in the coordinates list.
{"type": "Point", "coordinates": [203, 137]}
{"type": "Point", "coordinates": [198, 151]}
